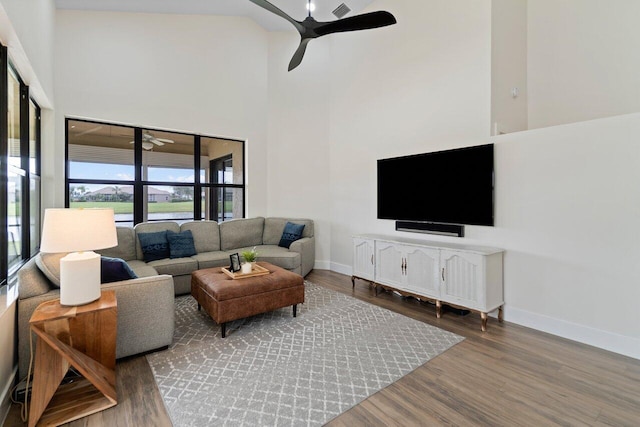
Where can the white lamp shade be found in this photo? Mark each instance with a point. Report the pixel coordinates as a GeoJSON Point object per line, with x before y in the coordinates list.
{"type": "Point", "coordinates": [74, 230]}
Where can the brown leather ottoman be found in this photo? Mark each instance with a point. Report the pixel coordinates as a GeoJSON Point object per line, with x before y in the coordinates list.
{"type": "Point", "coordinates": [226, 299]}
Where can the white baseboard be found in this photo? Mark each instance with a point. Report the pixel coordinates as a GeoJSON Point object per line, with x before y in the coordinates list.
{"type": "Point", "coordinates": [627, 346]}
{"type": "Point", "coordinates": [347, 270]}
{"type": "Point", "coordinates": [5, 397]}
{"type": "Point", "coordinates": [321, 265]}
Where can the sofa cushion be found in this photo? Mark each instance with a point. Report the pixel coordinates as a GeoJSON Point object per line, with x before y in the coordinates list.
{"type": "Point", "coordinates": [126, 248]}
{"type": "Point", "coordinates": [115, 270]}
{"type": "Point", "coordinates": [277, 255]}
{"type": "Point", "coordinates": [49, 264]}
{"type": "Point", "coordinates": [141, 268]}
{"type": "Point", "coordinates": [238, 233]}
{"type": "Point", "coordinates": [32, 282]}
{"type": "Point", "coordinates": [152, 227]}
{"type": "Point", "coordinates": [175, 266]}
{"type": "Point", "coordinates": [154, 245]}
{"type": "Point", "coordinates": [206, 235]}
{"type": "Point", "coordinates": [273, 228]}
{"type": "Point", "coordinates": [290, 234]}
{"type": "Point", "coordinates": [180, 244]}
{"type": "Point", "coordinates": [212, 259]}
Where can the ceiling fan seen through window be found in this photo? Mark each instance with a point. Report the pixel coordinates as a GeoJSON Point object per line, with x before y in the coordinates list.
{"type": "Point", "coordinates": [310, 29]}
{"type": "Point", "coordinates": [148, 141]}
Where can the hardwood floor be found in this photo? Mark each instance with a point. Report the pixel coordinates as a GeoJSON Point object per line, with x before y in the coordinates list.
{"type": "Point", "coordinates": [507, 376]}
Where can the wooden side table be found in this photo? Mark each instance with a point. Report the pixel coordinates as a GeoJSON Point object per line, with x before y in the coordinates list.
{"type": "Point", "coordinates": [83, 337]}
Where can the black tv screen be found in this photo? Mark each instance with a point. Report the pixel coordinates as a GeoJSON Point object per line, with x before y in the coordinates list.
{"type": "Point", "coordinates": [452, 186]}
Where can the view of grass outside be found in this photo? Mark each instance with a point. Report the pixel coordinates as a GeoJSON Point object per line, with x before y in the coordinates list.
{"type": "Point", "coordinates": [127, 207]}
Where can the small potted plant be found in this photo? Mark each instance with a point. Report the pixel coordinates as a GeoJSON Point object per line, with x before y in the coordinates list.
{"type": "Point", "coordinates": [249, 258]}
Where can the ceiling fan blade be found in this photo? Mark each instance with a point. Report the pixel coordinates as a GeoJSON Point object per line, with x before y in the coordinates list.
{"type": "Point", "coordinates": [297, 57]}
{"type": "Point", "coordinates": [89, 131]}
{"type": "Point", "coordinates": [157, 142]}
{"type": "Point", "coordinates": [365, 21]}
{"type": "Point", "coordinates": [168, 141]}
{"type": "Point", "coordinates": [273, 9]}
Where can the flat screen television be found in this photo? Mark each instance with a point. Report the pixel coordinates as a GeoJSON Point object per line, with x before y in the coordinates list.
{"type": "Point", "coordinates": [449, 187]}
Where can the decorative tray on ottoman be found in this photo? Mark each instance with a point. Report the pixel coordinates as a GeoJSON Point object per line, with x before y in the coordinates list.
{"type": "Point", "coordinates": [256, 270]}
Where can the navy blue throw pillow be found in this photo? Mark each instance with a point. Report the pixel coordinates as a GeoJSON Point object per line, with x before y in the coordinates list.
{"type": "Point", "coordinates": [115, 270]}
{"type": "Point", "coordinates": [291, 233]}
{"type": "Point", "coordinates": [154, 245]}
{"type": "Point", "coordinates": [181, 244]}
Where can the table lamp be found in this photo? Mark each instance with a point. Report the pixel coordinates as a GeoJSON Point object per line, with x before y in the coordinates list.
{"type": "Point", "coordinates": [78, 231]}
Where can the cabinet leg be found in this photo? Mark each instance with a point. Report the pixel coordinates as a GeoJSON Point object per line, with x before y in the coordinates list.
{"type": "Point", "coordinates": [438, 309]}
{"type": "Point", "coordinates": [483, 316]}
{"type": "Point", "coordinates": [501, 314]}
{"type": "Point", "coordinates": [353, 282]}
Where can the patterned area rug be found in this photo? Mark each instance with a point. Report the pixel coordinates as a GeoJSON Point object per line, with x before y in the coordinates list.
{"type": "Point", "coordinates": [276, 370]}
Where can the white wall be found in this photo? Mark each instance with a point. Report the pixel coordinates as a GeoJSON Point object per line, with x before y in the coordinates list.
{"type": "Point", "coordinates": [27, 29]}
{"type": "Point", "coordinates": [508, 66]}
{"type": "Point", "coordinates": [567, 209]}
{"type": "Point", "coordinates": [565, 212]}
{"type": "Point", "coordinates": [418, 86]}
{"type": "Point", "coordinates": [7, 344]}
{"type": "Point", "coordinates": [201, 74]}
{"type": "Point", "coordinates": [583, 60]}
{"type": "Point", "coordinates": [298, 153]}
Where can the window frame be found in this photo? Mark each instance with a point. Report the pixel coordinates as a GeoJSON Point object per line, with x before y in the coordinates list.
{"type": "Point", "coordinates": [8, 273]}
{"type": "Point", "coordinates": [139, 183]}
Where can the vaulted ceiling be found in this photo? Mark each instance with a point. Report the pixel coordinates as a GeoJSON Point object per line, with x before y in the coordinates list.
{"type": "Point", "coordinates": [295, 8]}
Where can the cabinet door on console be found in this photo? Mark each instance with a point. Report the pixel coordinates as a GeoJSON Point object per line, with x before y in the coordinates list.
{"type": "Point", "coordinates": [363, 260]}
{"type": "Point", "coordinates": [422, 271]}
{"type": "Point", "coordinates": [463, 279]}
{"type": "Point", "coordinates": [389, 264]}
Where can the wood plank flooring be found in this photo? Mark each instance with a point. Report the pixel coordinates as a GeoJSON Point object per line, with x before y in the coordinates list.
{"type": "Point", "coordinates": [507, 376]}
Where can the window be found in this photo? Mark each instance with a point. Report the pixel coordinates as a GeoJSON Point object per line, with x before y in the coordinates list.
{"type": "Point", "coordinates": [20, 177]}
{"type": "Point", "coordinates": [223, 178]}
{"type": "Point", "coordinates": [150, 175]}
{"type": "Point", "coordinates": [101, 167]}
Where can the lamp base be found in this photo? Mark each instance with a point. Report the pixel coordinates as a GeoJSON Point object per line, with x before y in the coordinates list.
{"type": "Point", "coordinates": [79, 278]}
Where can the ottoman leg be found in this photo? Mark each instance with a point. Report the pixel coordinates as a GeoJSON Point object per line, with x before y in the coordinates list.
{"type": "Point", "coordinates": [224, 329]}
{"type": "Point", "coordinates": [295, 309]}
{"type": "Point", "coordinates": [198, 306]}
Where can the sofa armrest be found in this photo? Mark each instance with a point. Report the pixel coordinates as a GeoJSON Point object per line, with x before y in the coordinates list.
{"type": "Point", "coordinates": [306, 247]}
{"type": "Point", "coordinates": [145, 316]}
{"type": "Point", "coordinates": [26, 307]}
{"type": "Point", "coordinates": [145, 313]}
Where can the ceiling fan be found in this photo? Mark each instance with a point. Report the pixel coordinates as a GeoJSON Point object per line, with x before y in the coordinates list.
{"type": "Point", "coordinates": [149, 140]}
{"type": "Point", "coordinates": [310, 29]}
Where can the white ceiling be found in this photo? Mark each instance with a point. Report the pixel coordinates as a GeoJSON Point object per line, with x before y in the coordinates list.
{"type": "Point", "coordinates": [294, 8]}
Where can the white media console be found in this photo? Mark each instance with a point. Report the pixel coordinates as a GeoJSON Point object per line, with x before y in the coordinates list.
{"type": "Point", "coordinates": [461, 276]}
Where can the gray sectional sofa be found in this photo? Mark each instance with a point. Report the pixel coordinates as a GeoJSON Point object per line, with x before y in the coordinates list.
{"type": "Point", "coordinates": [215, 242]}
{"type": "Point", "coordinates": [145, 304]}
